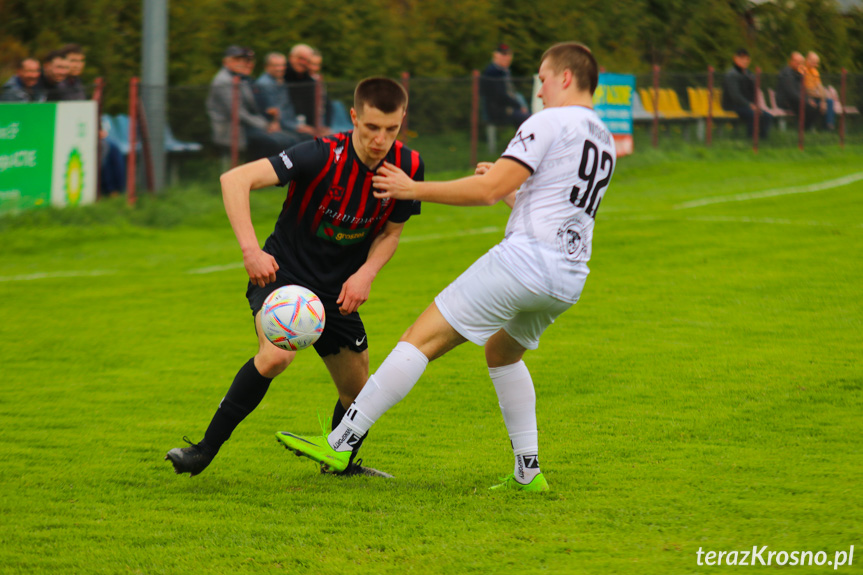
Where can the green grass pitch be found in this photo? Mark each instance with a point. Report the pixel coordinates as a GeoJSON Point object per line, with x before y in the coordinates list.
{"type": "Point", "coordinates": [706, 393]}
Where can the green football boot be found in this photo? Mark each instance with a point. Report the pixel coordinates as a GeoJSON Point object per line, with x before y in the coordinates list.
{"type": "Point", "coordinates": [317, 449]}
{"type": "Point", "coordinates": [538, 484]}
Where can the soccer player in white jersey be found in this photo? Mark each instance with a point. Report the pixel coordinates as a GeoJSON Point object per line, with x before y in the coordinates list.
{"type": "Point", "coordinates": [554, 174]}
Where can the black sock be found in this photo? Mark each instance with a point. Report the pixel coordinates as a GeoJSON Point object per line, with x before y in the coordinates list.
{"type": "Point", "coordinates": [247, 391]}
{"type": "Point", "coordinates": [338, 413]}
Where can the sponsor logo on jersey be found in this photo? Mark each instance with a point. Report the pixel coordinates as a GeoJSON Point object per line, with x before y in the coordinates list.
{"type": "Point", "coordinates": [341, 236]}
{"type": "Point", "coordinates": [286, 160]}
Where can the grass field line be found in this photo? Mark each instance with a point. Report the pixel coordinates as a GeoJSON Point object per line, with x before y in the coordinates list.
{"type": "Point", "coordinates": [731, 219]}
{"type": "Point", "coordinates": [408, 239]}
{"type": "Point", "coordinates": [816, 187]}
{"type": "Point", "coordinates": [213, 269]}
{"type": "Point", "coordinates": [750, 220]}
{"type": "Point", "coordinates": [48, 275]}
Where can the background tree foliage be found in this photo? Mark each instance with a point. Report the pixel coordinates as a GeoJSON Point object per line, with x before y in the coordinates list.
{"type": "Point", "coordinates": [430, 38]}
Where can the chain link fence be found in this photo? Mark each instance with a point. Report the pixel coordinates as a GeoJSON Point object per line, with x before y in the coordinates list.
{"type": "Point", "coordinates": [447, 124]}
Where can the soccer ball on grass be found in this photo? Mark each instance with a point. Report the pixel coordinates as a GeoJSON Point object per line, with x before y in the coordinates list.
{"type": "Point", "coordinates": [293, 317]}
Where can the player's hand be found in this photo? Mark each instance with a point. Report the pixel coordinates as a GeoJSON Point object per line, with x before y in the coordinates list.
{"type": "Point", "coordinates": [355, 292]}
{"type": "Point", "coordinates": [483, 167]}
{"type": "Point", "coordinates": [261, 267]}
{"type": "Point", "coordinates": [391, 182]}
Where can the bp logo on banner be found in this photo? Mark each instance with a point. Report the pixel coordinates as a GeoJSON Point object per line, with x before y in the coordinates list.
{"type": "Point", "coordinates": [74, 182]}
{"type": "Point", "coordinates": [47, 155]}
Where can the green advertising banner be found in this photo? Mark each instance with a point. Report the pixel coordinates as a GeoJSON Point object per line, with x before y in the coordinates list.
{"type": "Point", "coordinates": [47, 155]}
{"type": "Point", "coordinates": [26, 155]}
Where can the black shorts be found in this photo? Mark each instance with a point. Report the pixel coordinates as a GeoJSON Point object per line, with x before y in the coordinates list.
{"type": "Point", "coordinates": [339, 330]}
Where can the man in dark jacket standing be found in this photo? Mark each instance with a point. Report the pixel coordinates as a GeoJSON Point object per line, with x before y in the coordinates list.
{"type": "Point", "coordinates": [738, 94]}
{"type": "Point", "coordinates": [503, 105]}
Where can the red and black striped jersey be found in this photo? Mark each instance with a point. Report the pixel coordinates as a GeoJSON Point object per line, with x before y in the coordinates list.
{"type": "Point", "coordinates": [330, 216]}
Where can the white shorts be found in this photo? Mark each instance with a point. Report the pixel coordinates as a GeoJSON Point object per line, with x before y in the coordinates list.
{"type": "Point", "coordinates": [488, 297]}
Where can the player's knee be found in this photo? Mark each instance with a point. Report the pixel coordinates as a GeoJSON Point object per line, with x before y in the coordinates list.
{"type": "Point", "coordinates": [493, 357]}
{"type": "Point", "coordinates": [272, 362]}
{"type": "Point", "coordinates": [499, 356]}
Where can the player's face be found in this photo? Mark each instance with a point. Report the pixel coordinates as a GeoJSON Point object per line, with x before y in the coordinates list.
{"type": "Point", "coordinates": [551, 89]}
{"type": "Point", "coordinates": [375, 132]}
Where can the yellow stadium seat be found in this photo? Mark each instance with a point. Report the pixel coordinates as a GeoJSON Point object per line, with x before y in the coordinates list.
{"type": "Point", "coordinates": [669, 104]}
{"type": "Point", "coordinates": [718, 111]}
{"type": "Point", "coordinates": [697, 101]}
{"type": "Point", "coordinates": [647, 99]}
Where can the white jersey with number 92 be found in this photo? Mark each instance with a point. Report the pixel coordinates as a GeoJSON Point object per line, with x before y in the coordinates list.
{"type": "Point", "coordinates": [571, 156]}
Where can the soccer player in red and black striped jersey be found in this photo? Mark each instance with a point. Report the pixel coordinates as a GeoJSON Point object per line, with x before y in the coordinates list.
{"type": "Point", "coordinates": [332, 236]}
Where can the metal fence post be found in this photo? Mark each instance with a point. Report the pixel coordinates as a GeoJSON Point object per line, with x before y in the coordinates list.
{"type": "Point", "coordinates": [97, 97]}
{"type": "Point", "coordinates": [756, 115]}
{"type": "Point", "coordinates": [655, 106]}
{"type": "Point", "coordinates": [709, 105]}
{"type": "Point", "coordinates": [146, 141]}
{"type": "Point", "coordinates": [406, 83]}
{"type": "Point", "coordinates": [801, 124]}
{"type": "Point", "coordinates": [319, 94]}
{"type": "Point", "coordinates": [235, 121]}
{"type": "Point", "coordinates": [131, 175]}
{"type": "Point", "coordinates": [474, 116]}
{"type": "Point", "coordinates": [842, 104]}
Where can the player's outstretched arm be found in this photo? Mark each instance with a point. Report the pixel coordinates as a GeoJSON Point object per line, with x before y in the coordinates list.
{"type": "Point", "coordinates": [356, 290]}
{"type": "Point", "coordinates": [499, 181]}
{"type": "Point", "coordinates": [236, 186]}
{"type": "Point", "coordinates": [482, 168]}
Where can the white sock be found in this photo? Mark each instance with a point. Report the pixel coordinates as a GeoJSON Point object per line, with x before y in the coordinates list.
{"type": "Point", "coordinates": [517, 400]}
{"type": "Point", "coordinates": [386, 387]}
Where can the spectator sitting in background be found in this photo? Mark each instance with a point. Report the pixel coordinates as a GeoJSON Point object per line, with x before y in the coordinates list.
{"type": "Point", "coordinates": [24, 86]}
{"type": "Point", "coordinates": [738, 94]}
{"type": "Point", "coordinates": [55, 70]}
{"type": "Point", "coordinates": [503, 105]}
{"type": "Point", "coordinates": [815, 89]}
{"type": "Point", "coordinates": [301, 85]}
{"type": "Point", "coordinates": [274, 99]}
{"type": "Point", "coordinates": [789, 88]}
{"type": "Point", "coordinates": [72, 86]}
{"type": "Point", "coordinates": [336, 117]}
{"type": "Point", "coordinates": [112, 166]}
{"type": "Point", "coordinates": [262, 136]}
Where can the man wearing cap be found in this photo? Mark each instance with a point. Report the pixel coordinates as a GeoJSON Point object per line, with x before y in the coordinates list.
{"type": "Point", "coordinates": [503, 105]}
{"type": "Point", "coordinates": [261, 135]}
{"type": "Point", "coordinates": [738, 94]}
